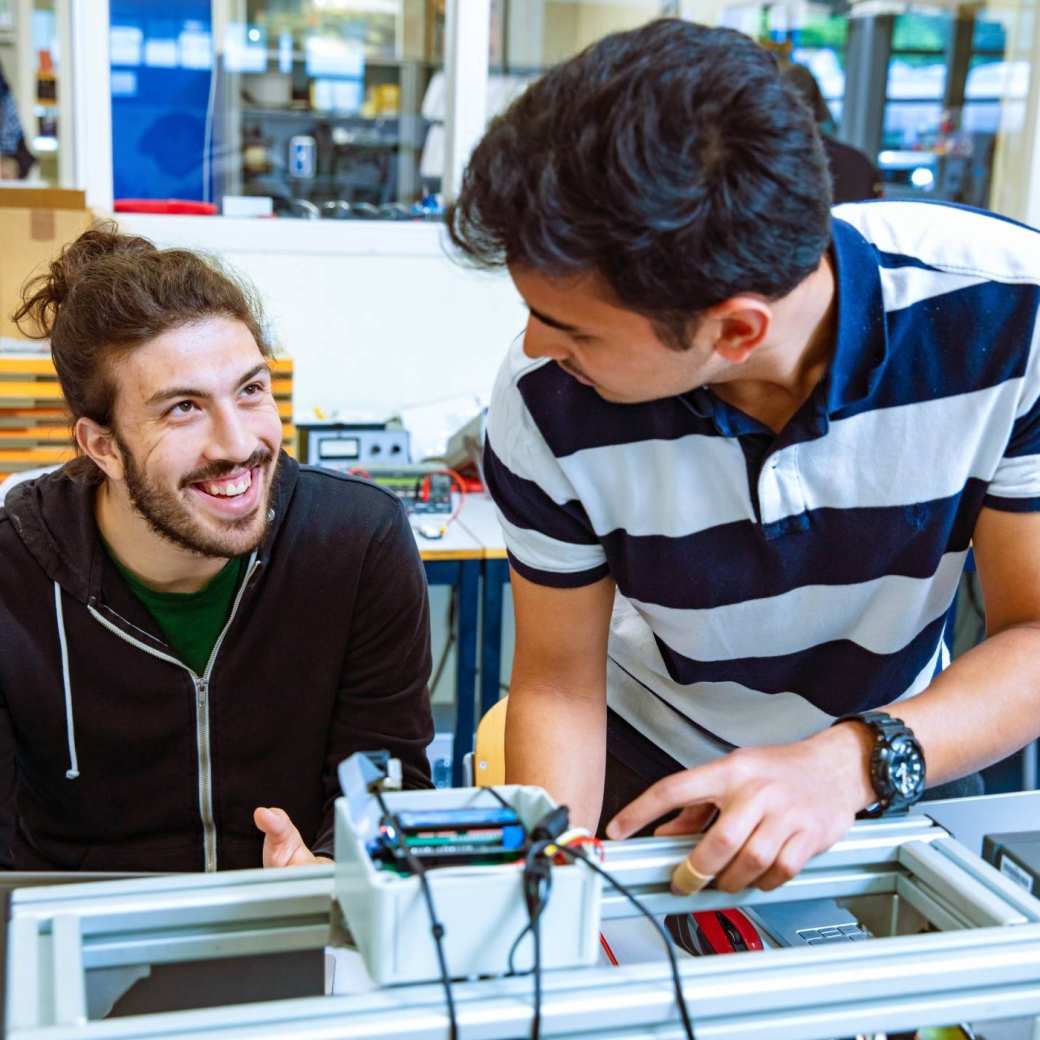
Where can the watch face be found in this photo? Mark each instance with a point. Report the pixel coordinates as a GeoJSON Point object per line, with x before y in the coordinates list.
{"type": "Point", "coordinates": [906, 768]}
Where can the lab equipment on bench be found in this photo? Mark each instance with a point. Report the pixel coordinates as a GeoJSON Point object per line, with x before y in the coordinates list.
{"type": "Point", "coordinates": [382, 902]}
{"type": "Point", "coordinates": [347, 446]}
{"type": "Point", "coordinates": [1016, 856]}
{"type": "Point", "coordinates": [954, 941]}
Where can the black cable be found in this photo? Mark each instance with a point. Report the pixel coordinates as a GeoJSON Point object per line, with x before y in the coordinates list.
{"type": "Point", "coordinates": [505, 805]}
{"type": "Point", "coordinates": [512, 952]}
{"type": "Point", "coordinates": [436, 928]}
{"type": "Point", "coordinates": [539, 907]}
{"type": "Point", "coordinates": [537, 881]}
{"type": "Point", "coordinates": [500, 798]}
{"type": "Point", "coordinates": [536, 1015]}
{"type": "Point", "coordinates": [680, 1000]}
{"type": "Point", "coordinates": [537, 886]}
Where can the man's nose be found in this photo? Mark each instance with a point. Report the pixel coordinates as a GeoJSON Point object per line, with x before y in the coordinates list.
{"type": "Point", "coordinates": [543, 341]}
{"type": "Point", "coordinates": [231, 439]}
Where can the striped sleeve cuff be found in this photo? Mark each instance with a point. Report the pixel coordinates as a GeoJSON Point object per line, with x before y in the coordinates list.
{"type": "Point", "coordinates": [542, 552]}
{"type": "Point", "coordinates": [549, 542]}
{"type": "Point", "coordinates": [558, 579]}
{"type": "Point", "coordinates": [1012, 505]}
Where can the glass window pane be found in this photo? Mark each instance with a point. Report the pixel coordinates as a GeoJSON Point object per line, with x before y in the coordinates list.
{"type": "Point", "coordinates": [816, 30]}
{"type": "Point", "coordinates": [30, 131]}
{"type": "Point", "coordinates": [948, 152]}
{"type": "Point", "coordinates": [912, 125]}
{"type": "Point", "coordinates": [827, 66]}
{"type": "Point", "coordinates": [984, 117]}
{"type": "Point", "coordinates": [921, 32]}
{"type": "Point", "coordinates": [995, 78]}
{"type": "Point", "coordinates": [310, 109]}
{"type": "Point", "coordinates": [989, 35]}
{"type": "Point", "coordinates": [531, 35]}
{"type": "Point", "coordinates": [916, 76]}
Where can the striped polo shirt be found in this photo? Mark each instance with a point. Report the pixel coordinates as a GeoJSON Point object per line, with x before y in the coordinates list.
{"type": "Point", "coordinates": [768, 583]}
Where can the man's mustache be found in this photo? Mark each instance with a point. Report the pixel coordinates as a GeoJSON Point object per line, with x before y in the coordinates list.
{"type": "Point", "coordinates": [216, 470]}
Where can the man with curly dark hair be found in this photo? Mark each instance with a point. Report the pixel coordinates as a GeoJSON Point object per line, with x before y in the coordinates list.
{"type": "Point", "coordinates": [740, 455]}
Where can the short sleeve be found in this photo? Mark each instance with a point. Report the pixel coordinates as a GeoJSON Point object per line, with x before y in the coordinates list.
{"type": "Point", "coordinates": [1015, 486]}
{"type": "Point", "coordinates": [548, 534]}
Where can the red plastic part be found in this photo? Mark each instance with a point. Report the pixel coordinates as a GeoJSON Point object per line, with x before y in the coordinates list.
{"type": "Point", "coordinates": [714, 935]}
{"type": "Point", "coordinates": [752, 940]}
{"type": "Point", "coordinates": [181, 207]}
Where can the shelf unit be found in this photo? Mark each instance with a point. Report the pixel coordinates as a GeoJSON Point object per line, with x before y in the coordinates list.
{"type": "Point", "coordinates": [34, 422]}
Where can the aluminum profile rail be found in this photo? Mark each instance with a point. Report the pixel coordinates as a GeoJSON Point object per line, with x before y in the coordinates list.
{"type": "Point", "coordinates": [987, 967]}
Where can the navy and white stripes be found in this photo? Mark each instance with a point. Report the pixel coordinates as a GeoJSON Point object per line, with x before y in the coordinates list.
{"type": "Point", "coordinates": [769, 583]}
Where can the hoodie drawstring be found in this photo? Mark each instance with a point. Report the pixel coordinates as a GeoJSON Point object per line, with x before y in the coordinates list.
{"type": "Point", "coordinates": [72, 773]}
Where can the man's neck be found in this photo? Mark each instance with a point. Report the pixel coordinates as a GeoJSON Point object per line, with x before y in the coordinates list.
{"type": "Point", "coordinates": [152, 559]}
{"type": "Point", "coordinates": [783, 373]}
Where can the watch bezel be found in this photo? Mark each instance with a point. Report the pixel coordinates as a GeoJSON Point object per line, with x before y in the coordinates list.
{"type": "Point", "coordinates": [890, 748]}
{"type": "Point", "coordinates": [889, 734]}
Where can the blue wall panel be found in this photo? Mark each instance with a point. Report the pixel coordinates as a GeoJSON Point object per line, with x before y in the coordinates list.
{"type": "Point", "coordinates": [159, 100]}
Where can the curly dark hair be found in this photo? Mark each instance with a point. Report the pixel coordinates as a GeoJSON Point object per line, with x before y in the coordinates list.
{"type": "Point", "coordinates": [672, 160]}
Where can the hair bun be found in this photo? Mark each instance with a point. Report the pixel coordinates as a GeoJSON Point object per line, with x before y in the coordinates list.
{"type": "Point", "coordinates": [43, 296]}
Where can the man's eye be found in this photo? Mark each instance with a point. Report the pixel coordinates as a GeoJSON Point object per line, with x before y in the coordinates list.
{"type": "Point", "coordinates": [253, 389]}
{"type": "Point", "coordinates": [182, 408]}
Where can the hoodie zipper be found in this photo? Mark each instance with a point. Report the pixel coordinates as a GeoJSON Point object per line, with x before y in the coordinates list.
{"type": "Point", "coordinates": [202, 735]}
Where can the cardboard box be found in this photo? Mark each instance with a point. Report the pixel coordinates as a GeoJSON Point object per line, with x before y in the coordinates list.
{"type": "Point", "coordinates": [35, 223]}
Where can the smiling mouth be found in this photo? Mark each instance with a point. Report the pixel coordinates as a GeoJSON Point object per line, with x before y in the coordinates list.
{"type": "Point", "coordinates": [232, 486]}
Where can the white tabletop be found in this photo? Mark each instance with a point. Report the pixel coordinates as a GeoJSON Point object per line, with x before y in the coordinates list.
{"type": "Point", "coordinates": [480, 519]}
{"type": "Point", "coordinates": [455, 543]}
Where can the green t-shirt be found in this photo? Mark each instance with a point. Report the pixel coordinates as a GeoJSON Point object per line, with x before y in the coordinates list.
{"type": "Point", "coordinates": [190, 621]}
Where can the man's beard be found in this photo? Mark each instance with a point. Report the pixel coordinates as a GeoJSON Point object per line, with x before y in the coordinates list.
{"type": "Point", "coordinates": [169, 518]}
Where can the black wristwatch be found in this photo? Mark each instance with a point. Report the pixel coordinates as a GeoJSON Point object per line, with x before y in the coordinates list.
{"type": "Point", "coordinates": [897, 769]}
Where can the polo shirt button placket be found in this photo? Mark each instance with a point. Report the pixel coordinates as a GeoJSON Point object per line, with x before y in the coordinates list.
{"type": "Point", "coordinates": [780, 492]}
{"type": "Point", "coordinates": [768, 495]}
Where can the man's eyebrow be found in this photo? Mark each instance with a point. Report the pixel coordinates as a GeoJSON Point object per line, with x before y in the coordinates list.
{"type": "Point", "coordinates": [162, 396]}
{"type": "Point", "coordinates": [545, 319]}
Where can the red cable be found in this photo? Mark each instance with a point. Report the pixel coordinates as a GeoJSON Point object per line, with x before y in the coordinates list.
{"type": "Point", "coordinates": [358, 471]}
{"type": "Point", "coordinates": [457, 479]}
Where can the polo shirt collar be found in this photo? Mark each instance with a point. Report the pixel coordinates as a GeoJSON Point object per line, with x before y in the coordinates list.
{"type": "Point", "coordinates": [859, 351]}
{"type": "Point", "coordinates": [861, 340]}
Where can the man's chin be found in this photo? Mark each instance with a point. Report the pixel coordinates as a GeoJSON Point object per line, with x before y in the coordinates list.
{"type": "Point", "coordinates": [232, 538]}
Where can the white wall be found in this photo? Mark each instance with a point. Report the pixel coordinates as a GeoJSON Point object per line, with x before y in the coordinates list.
{"type": "Point", "coordinates": [376, 316]}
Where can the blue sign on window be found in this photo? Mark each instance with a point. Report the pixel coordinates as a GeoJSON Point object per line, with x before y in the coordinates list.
{"type": "Point", "coordinates": [161, 117]}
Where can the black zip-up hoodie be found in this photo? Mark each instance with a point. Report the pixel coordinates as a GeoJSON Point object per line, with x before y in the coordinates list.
{"type": "Point", "coordinates": [115, 756]}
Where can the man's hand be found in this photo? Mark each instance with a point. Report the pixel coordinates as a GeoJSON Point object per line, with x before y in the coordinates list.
{"type": "Point", "coordinates": [283, 846]}
{"type": "Point", "coordinates": [777, 806]}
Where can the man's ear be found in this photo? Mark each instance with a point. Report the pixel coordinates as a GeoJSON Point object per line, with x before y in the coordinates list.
{"type": "Point", "coordinates": [98, 443]}
{"type": "Point", "coordinates": [742, 324]}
